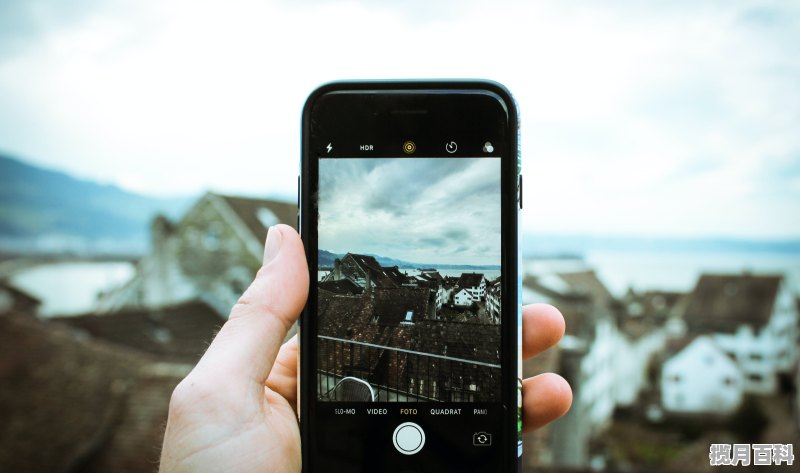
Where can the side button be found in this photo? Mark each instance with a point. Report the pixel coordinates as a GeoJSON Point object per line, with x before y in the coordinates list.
{"type": "Point", "coordinates": [298, 204]}
{"type": "Point", "coordinates": [519, 194]}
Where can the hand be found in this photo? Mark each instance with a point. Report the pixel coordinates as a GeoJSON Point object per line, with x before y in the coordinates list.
{"type": "Point", "coordinates": [235, 412]}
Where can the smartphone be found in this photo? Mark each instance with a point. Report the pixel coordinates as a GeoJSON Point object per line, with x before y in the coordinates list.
{"type": "Point", "coordinates": [409, 199]}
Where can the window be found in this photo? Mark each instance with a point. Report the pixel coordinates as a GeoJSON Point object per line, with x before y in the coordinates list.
{"type": "Point", "coordinates": [409, 316]}
{"type": "Point", "coordinates": [267, 217]}
{"type": "Point", "coordinates": [213, 237]}
{"type": "Point", "coordinates": [756, 356]}
{"type": "Point", "coordinates": [755, 377]}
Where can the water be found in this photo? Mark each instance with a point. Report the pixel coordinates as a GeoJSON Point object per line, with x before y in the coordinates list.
{"type": "Point", "coordinates": [490, 274]}
{"type": "Point", "coordinates": [71, 288]}
{"type": "Point", "coordinates": [679, 270]}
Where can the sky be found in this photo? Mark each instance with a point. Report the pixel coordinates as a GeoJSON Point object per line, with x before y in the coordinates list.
{"type": "Point", "coordinates": [639, 118]}
{"type": "Point", "coordinates": [420, 210]}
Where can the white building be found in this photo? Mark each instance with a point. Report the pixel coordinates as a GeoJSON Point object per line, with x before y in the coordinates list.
{"type": "Point", "coordinates": [211, 254]}
{"type": "Point", "coordinates": [493, 293]}
{"type": "Point", "coordinates": [463, 298]}
{"type": "Point", "coordinates": [474, 283]}
{"type": "Point", "coordinates": [754, 321]}
{"type": "Point", "coordinates": [701, 379]}
{"type": "Point", "coordinates": [588, 355]}
{"type": "Point", "coordinates": [643, 333]}
{"type": "Point", "coordinates": [442, 296]}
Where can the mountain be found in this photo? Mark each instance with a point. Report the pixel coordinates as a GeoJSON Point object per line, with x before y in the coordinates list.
{"type": "Point", "coordinates": [45, 210]}
{"type": "Point", "coordinates": [543, 245]}
{"type": "Point", "coordinates": [326, 259]}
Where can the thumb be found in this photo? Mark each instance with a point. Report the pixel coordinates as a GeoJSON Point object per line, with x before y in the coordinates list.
{"type": "Point", "coordinates": [247, 344]}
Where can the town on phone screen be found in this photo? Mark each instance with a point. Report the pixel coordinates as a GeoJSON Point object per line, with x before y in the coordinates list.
{"type": "Point", "coordinates": [409, 279]}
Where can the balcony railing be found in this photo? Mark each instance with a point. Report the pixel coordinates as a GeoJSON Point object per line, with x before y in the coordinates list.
{"type": "Point", "coordinates": [398, 374]}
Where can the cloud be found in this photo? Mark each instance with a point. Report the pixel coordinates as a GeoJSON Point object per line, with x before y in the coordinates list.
{"type": "Point", "coordinates": [638, 117]}
{"type": "Point", "coordinates": [424, 210]}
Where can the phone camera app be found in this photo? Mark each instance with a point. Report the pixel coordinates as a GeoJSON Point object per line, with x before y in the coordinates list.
{"type": "Point", "coordinates": [481, 439]}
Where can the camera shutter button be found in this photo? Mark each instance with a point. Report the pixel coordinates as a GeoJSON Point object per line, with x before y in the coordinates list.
{"type": "Point", "coordinates": [408, 438]}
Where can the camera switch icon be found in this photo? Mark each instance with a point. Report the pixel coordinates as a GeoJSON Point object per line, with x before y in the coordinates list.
{"type": "Point", "coordinates": [481, 439]}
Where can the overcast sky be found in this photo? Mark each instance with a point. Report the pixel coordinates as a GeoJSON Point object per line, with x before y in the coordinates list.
{"type": "Point", "coordinates": [420, 210]}
{"type": "Point", "coordinates": [676, 118]}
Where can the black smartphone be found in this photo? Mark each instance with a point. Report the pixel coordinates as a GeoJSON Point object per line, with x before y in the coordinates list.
{"type": "Point", "coordinates": [409, 343]}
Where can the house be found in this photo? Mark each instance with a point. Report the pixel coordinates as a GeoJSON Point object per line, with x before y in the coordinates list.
{"type": "Point", "coordinates": [493, 300]}
{"type": "Point", "coordinates": [342, 287]}
{"type": "Point", "coordinates": [212, 254]}
{"type": "Point", "coordinates": [365, 271]}
{"type": "Point", "coordinates": [391, 338]}
{"type": "Point", "coordinates": [14, 299]}
{"type": "Point", "coordinates": [446, 291]}
{"type": "Point", "coordinates": [179, 333]}
{"type": "Point", "coordinates": [360, 336]}
{"type": "Point", "coordinates": [753, 319]}
{"type": "Point", "coordinates": [587, 356]}
{"type": "Point", "coordinates": [447, 379]}
{"type": "Point", "coordinates": [72, 404]}
{"type": "Point", "coordinates": [474, 284]}
{"type": "Point", "coordinates": [701, 379]}
{"type": "Point", "coordinates": [443, 295]}
{"type": "Point", "coordinates": [463, 297]}
{"type": "Point", "coordinates": [644, 322]}
{"type": "Point", "coordinates": [538, 445]}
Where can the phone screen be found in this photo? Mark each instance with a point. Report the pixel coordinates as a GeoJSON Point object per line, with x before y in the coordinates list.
{"type": "Point", "coordinates": [409, 309]}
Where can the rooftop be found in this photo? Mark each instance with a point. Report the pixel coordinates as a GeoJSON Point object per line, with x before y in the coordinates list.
{"type": "Point", "coordinates": [177, 333]}
{"type": "Point", "coordinates": [721, 303]}
{"type": "Point", "coordinates": [255, 213]}
{"type": "Point", "coordinates": [470, 279]}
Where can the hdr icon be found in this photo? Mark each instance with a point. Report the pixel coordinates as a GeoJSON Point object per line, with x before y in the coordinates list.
{"type": "Point", "coordinates": [365, 147]}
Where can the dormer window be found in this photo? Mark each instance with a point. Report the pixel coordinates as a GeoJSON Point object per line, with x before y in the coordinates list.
{"type": "Point", "coordinates": [267, 217]}
{"type": "Point", "coordinates": [409, 316]}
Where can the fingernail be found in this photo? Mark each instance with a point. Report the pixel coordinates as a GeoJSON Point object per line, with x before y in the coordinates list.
{"type": "Point", "coordinates": [274, 243]}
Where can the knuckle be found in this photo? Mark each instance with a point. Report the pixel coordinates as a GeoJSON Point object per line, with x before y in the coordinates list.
{"type": "Point", "coordinates": [187, 395]}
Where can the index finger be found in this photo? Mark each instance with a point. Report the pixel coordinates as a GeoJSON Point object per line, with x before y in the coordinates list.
{"type": "Point", "coordinates": [542, 327]}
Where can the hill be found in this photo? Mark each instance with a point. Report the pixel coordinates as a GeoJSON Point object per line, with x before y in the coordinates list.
{"type": "Point", "coordinates": [46, 210]}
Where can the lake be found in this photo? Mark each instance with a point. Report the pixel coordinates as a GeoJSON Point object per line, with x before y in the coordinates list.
{"type": "Point", "coordinates": [71, 288]}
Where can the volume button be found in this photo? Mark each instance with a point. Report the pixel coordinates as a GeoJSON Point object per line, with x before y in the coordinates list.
{"type": "Point", "coordinates": [298, 203]}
